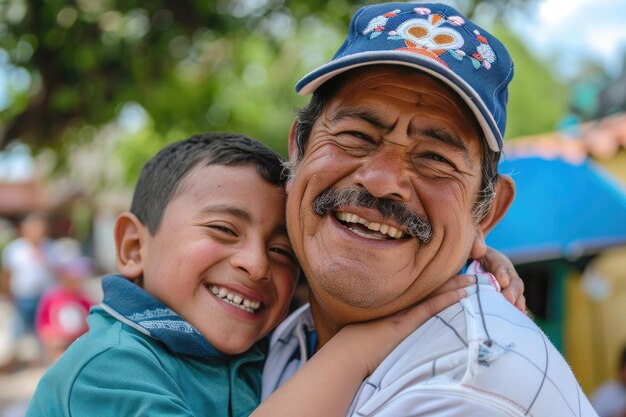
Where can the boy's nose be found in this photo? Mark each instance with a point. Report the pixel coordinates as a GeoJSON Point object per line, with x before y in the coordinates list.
{"type": "Point", "coordinates": [253, 261]}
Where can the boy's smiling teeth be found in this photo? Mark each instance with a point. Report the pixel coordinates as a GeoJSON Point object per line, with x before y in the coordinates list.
{"type": "Point", "coordinates": [384, 229]}
{"type": "Point", "coordinates": [237, 300]}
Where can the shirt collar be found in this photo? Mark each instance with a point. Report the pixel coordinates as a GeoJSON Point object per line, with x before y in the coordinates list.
{"type": "Point", "coordinates": [133, 306]}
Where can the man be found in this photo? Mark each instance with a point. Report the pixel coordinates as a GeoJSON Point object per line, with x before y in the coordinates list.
{"type": "Point", "coordinates": [393, 188]}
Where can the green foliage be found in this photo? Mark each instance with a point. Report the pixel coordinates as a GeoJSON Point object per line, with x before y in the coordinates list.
{"type": "Point", "coordinates": [537, 99]}
{"type": "Point", "coordinates": [190, 65]}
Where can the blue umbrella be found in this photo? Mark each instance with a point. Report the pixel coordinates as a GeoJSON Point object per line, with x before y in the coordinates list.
{"type": "Point", "coordinates": [560, 210]}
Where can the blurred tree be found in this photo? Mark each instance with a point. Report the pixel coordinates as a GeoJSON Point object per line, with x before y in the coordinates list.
{"type": "Point", "coordinates": [189, 65]}
{"type": "Point", "coordinates": [79, 71]}
{"type": "Point", "coordinates": [537, 98]}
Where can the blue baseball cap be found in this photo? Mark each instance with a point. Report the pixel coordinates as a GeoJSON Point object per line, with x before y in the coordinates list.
{"type": "Point", "coordinates": [433, 38]}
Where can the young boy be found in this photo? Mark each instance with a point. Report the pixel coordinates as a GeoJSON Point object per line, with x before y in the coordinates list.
{"type": "Point", "coordinates": [207, 272]}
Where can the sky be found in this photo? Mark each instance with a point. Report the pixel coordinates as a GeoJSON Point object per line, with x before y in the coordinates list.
{"type": "Point", "coordinates": [574, 30]}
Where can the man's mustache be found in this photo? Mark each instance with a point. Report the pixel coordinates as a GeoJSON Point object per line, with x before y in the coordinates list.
{"type": "Point", "coordinates": [415, 224]}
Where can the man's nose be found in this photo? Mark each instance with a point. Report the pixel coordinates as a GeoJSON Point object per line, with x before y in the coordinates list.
{"type": "Point", "coordinates": [252, 259]}
{"type": "Point", "coordinates": [385, 175]}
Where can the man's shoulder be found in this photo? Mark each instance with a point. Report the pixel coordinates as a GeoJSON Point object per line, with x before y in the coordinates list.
{"type": "Point", "coordinates": [487, 351]}
{"type": "Point", "coordinates": [454, 346]}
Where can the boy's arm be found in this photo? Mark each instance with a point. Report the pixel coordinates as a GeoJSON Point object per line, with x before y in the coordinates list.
{"type": "Point", "coordinates": [502, 268]}
{"type": "Point", "coordinates": [327, 383]}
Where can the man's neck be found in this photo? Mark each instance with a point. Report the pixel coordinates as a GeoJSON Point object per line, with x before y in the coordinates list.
{"type": "Point", "coordinates": [325, 327]}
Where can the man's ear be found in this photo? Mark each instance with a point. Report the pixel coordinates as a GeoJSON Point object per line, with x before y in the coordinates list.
{"type": "Point", "coordinates": [129, 237]}
{"type": "Point", "coordinates": [292, 147]}
{"type": "Point", "coordinates": [505, 193]}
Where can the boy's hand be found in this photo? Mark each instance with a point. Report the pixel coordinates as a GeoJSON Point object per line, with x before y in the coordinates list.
{"type": "Point", "coordinates": [326, 384]}
{"type": "Point", "coordinates": [504, 271]}
{"type": "Point", "coordinates": [373, 340]}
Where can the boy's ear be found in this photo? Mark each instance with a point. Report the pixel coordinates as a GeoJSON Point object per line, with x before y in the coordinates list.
{"type": "Point", "coordinates": [292, 147]}
{"type": "Point", "coordinates": [505, 193]}
{"type": "Point", "coordinates": [129, 237]}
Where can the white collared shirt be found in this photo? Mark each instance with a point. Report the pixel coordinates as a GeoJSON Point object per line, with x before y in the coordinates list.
{"type": "Point", "coordinates": [479, 357]}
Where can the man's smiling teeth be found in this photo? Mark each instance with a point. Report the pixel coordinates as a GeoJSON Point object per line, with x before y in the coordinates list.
{"type": "Point", "coordinates": [251, 306]}
{"type": "Point", "coordinates": [385, 229]}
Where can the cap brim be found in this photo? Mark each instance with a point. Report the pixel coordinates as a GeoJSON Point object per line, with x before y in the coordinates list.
{"type": "Point", "coordinates": [310, 82]}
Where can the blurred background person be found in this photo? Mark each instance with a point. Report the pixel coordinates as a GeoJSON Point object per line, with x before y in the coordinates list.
{"type": "Point", "coordinates": [609, 399]}
{"type": "Point", "coordinates": [27, 272]}
{"type": "Point", "coordinates": [63, 309]}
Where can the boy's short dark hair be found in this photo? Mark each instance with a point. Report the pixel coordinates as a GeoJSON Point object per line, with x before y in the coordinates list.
{"type": "Point", "coordinates": [162, 175]}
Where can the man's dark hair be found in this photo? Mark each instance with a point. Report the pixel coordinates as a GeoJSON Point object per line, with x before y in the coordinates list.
{"type": "Point", "coordinates": [162, 175]}
{"type": "Point", "coordinates": [307, 116]}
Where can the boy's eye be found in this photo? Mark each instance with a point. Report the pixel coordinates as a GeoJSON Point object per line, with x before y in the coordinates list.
{"type": "Point", "coordinates": [223, 229]}
{"type": "Point", "coordinates": [284, 252]}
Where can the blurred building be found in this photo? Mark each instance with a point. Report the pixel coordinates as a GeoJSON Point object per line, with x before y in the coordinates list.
{"type": "Point", "coordinates": [20, 197]}
{"type": "Point", "coordinates": [579, 297]}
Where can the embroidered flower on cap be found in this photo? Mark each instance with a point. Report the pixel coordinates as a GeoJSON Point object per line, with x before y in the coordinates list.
{"type": "Point", "coordinates": [427, 36]}
{"type": "Point", "coordinates": [377, 24]}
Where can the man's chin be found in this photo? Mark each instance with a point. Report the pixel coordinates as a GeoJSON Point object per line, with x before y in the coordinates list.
{"type": "Point", "coordinates": [345, 307]}
{"type": "Point", "coordinates": [354, 285]}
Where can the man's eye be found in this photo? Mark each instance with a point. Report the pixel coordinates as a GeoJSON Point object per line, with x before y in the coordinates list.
{"type": "Point", "coordinates": [361, 136]}
{"type": "Point", "coordinates": [436, 157]}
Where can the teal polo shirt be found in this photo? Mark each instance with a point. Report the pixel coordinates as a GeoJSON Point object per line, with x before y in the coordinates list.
{"type": "Point", "coordinates": [114, 370]}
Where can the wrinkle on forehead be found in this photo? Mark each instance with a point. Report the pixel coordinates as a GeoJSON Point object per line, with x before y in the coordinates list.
{"type": "Point", "coordinates": [401, 93]}
{"type": "Point", "coordinates": [361, 112]}
{"type": "Point", "coordinates": [418, 126]}
{"type": "Point", "coordinates": [423, 96]}
{"type": "Point", "coordinates": [372, 94]}
{"type": "Point", "coordinates": [424, 92]}
{"type": "Point", "coordinates": [405, 85]}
